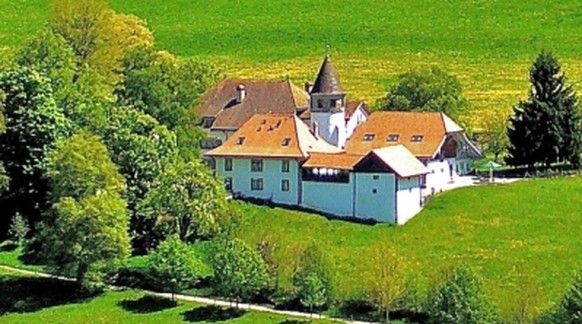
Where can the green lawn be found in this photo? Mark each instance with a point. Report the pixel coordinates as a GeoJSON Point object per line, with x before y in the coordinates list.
{"type": "Point", "coordinates": [488, 44]}
{"type": "Point", "coordinates": [523, 238]}
{"type": "Point", "coordinates": [105, 308]}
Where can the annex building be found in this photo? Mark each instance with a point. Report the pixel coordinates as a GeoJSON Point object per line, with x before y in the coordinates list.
{"type": "Point", "coordinates": [313, 148]}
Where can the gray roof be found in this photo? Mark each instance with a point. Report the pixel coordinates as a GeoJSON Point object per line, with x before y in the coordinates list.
{"type": "Point", "coordinates": [327, 80]}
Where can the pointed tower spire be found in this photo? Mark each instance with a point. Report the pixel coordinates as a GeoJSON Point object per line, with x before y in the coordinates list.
{"type": "Point", "coordinates": [327, 81]}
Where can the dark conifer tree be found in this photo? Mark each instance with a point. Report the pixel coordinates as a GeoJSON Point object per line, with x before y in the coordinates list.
{"type": "Point", "coordinates": [546, 128]}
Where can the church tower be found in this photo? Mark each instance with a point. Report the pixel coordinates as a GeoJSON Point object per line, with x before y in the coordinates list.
{"type": "Point", "coordinates": [328, 105]}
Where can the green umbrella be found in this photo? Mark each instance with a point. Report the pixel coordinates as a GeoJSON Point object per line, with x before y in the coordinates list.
{"type": "Point", "coordinates": [490, 165]}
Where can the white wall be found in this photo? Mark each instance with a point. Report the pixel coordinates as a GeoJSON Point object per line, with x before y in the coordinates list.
{"type": "Point", "coordinates": [358, 117]}
{"type": "Point", "coordinates": [327, 123]}
{"type": "Point", "coordinates": [408, 198]}
{"type": "Point", "coordinates": [331, 197]}
{"type": "Point", "coordinates": [439, 175]}
{"type": "Point", "coordinates": [241, 179]}
{"type": "Point", "coordinates": [376, 196]}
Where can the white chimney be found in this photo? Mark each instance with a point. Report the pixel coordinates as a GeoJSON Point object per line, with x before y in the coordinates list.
{"type": "Point", "coordinates": [315, 129]}
{"type": "Point", "coordinates": [308, 87]}
{"type": "Point", "coordinates": [241, 93]}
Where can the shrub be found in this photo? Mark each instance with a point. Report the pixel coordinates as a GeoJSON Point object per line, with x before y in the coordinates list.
{"type": "Point", "coordinates": [461, 299]}
{"type": "Point", "coordinates": [570, 308]}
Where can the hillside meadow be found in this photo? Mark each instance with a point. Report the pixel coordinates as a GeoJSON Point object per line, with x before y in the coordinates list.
{"type": "Point", "coordinates": [489, 45]}
{"type": "Point", "coordinates": [522, 238]}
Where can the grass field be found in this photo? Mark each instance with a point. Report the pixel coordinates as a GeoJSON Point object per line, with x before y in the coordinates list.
{"type": "Point", "coordinates": [110, 307]}
{"type": "Point", "coordinates": [489, 45]}
{"type": "Point", "coordinates": [523, 238]}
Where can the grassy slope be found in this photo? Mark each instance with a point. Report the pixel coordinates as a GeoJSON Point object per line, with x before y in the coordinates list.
{"type": "Point", "coordinates": [489, 45]}
{"type": "Point", "coordinates": [520, 235]}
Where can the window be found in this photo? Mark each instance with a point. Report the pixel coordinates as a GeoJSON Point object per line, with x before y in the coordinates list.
{"type": "Point", "coordinates": [416, 138]}
{"type": "Point", "coordinates": [392, 138]}
{"type": "Point", "coordinates": [286, 141]}
{"type": "Point", "coordinates": [256, 184]}
{"type": "Point", "coordinates": [207, 122]}
{"type": "Point", "coordinates": [369, 137]}
{"type": "Point", "coordinates": [285, 166]}
{"type": "Point", "coordinates": [333, 103]}
{"type": "Point", "coordinates": [228, 183]}
{"type": "Point", "coordinates": [227, 164]}
{"type": "Point", "coordinates": [319, 103]}
{"type": "Point", "coordinates": [240, 140]}
{"type": "Point", "coordinates": [256, 165]}
{"type": "Point", "coordinates": [376, 177]}
{"type": "Point", "coordinates": [284, 185]}
{"type": "Point", "coordinates": [374, 191]}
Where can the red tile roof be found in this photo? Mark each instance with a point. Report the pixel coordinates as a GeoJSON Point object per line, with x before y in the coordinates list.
{"type": "Point", "coordinates": [261, 97]}
{"type": "Point", "coordinates": [273, 135]}
{"type": "Point", "coordinates": [431, 127]}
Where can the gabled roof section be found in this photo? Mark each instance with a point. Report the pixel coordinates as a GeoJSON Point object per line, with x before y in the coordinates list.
{"type": "Point", "coordinates": [450, 125]}
{"type": "Point", "coordinates": [273, 135]}
{"type": "Point", "coordinates": [261, 97]}
{"type": "Point", "coordinates": [327, 80]}
{"type": "Point", "coordinates": [422, 133]}
{"type": "Point", "coordinates": [401, 161]}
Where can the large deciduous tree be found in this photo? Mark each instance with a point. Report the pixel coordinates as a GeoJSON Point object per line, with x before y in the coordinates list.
{"type": "Point", "coordinates": [34, 123]}
{"type": "Point", "coordinates": [98, 36]}
{"type": "Point", "coordinates": [239, 270]}
{"type": "Point", "coordinates": [430, 89]}
{"type": "Point", "coordinates": [85, 232]}
{"type": "Point", "coordinates": [546, 128]}
{"type": "Point", "coordinates": [186, 199]}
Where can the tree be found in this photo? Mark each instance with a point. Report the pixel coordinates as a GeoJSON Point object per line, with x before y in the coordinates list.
{"type": "Point", "coordinates": [167, 88]}
{"type": "Point", "coordinates": [425, 90]}
{"type": "Point", "coordinates": [141, 148]}
{"type": "Point", "coordinates": [3, 178]}
{"type": "Point", "coordinates": [174, 265]}
{"type": "Point", "coordinates": [34, 123]}
{"type": "Point", "coordinates": [546, 128]}
{"type": "Point", "coordinates": [494, 125]}
{"type": "Point", "coordinates": [312, 278]}
{"type": "Point", "coordinates": [186, 199]}
{"type": "Point", "coordinates": [162, 85]}
{"type": "Point", "coordinates": [98, 36]}
{"type": "Point", "coordinates": [239, 271]}
{"type": "Point", "coordinates": [84, 234]}
{"type": "Point", "coordinates": [569, 309]}
{"type": "Point", "coordinates": [18, 229]}
{"type": "Point", "coordinates": [385, 278]}
{"type": "Point", "coordinates": [461, 299]}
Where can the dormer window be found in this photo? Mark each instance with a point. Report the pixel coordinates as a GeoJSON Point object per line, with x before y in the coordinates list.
{"type": "Point", "coordinates": [286, 141]}
{"type": "Point", "coordinates": [392, 138]}
{"type": "Point", "coordinates": [369, 137]}
{"type": "Point", "coordinates": [416, 138]}
{"type": "Point", "coordinates": [240, 140]}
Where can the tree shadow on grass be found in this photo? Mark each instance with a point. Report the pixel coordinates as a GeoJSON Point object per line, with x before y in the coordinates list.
{"type": "Point", "coordinates": [24, 294]}
{"type": "Point", "coordinates": [212, 314]}
{"type": "Point", "coordinates": [147, 304]}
